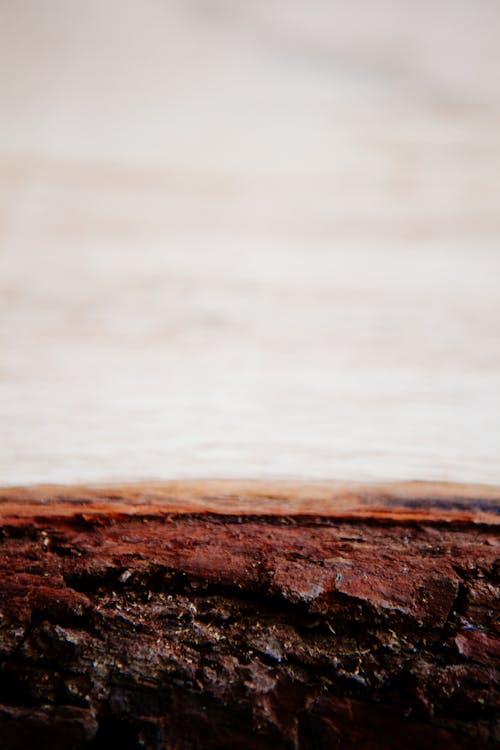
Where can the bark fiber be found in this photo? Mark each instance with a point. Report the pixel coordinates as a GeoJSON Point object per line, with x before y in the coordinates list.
{"type": "Point", "coordinates": [186, 630]}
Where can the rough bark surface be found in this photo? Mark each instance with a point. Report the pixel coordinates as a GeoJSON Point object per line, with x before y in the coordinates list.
{"type": "Point", "coordinates": [165, 629]}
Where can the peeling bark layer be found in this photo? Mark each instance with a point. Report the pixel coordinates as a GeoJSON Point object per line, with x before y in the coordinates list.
{"type": "Point", "coordinates": [157, 628]}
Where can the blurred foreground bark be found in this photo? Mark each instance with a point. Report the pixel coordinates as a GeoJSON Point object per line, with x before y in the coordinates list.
{"type": "Point", "coordinates": [141, 617]}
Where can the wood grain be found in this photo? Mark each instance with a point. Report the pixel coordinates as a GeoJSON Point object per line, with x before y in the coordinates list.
{"type": "Point", "coordinates": [249, 240]}
{"type": "Point", "coordinates": [403, 501]}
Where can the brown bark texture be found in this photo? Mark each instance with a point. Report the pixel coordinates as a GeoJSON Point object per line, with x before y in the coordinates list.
{"type": "Point", "coordinates": [249, 615]}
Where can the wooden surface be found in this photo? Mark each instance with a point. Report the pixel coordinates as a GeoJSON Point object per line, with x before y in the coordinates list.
{"type": "Point", "coordinates": [295, 617]}
{"type": "Point", "coordinates": [394, 501]}
{"type": "Point", "coordinates": [249, 240]}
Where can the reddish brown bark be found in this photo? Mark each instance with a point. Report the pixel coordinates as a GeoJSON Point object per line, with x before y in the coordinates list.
{"type": "Point", "coordinates": [361, 619]}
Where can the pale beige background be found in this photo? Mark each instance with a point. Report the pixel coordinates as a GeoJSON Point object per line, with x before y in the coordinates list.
{"type": "Point", "coordinates": [249, 239]}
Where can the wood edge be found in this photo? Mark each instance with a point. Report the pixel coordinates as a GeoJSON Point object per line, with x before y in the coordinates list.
{"type": "Point", "coordinates": [392, 501]}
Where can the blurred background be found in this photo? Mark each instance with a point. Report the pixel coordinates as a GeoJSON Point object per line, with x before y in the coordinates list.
{"type": "Point", "coordinates": [249, 239]}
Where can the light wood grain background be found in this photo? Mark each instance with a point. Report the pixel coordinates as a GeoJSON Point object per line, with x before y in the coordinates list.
{"type": "Point", "coordinates": [249, 240]}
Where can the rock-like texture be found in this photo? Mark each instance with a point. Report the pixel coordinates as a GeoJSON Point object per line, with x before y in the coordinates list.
{"type": "Point", "coordinates": [162, 629]}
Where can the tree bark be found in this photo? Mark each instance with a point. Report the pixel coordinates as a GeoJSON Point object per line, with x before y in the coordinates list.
{"type": "Point", "coordinates": [249, 615]}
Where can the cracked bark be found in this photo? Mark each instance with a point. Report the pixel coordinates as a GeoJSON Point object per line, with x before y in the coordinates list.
{"type": "Point", "coordinates": [299, 617]}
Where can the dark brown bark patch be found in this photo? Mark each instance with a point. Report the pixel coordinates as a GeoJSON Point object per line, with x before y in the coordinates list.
{"type": "Point", "coordinates": [168, 630]}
